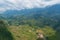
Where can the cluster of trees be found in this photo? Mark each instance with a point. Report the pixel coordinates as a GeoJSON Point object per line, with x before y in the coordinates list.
{"type": "Point", "coordinates": [4, 32]}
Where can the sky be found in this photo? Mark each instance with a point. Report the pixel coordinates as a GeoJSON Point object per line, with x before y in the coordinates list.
{"type": "Point", "coordinates": [22, 4]}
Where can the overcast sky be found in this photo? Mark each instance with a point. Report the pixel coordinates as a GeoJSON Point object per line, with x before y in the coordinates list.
{"type": "Point", "coordinates": [21, 4]}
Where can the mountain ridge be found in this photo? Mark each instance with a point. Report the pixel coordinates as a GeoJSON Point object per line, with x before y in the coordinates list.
{"type": "Point", "coordinates": [47, 16]}
{"type": "Point", "coordinates": [54, 8]}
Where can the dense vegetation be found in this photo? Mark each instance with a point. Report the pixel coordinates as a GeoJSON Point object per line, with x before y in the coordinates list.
{"type": "Point", "coordinates": [24, 32]}
{"type": "Point", "coordinates": [25, 24]}
{"type": "Point", "coordinates": [4, 33]}
{"type": "Point", "coordinates": [26, 29]}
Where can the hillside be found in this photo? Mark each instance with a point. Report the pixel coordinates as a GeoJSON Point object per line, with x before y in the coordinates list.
{"type": "Point", "coordinates": [23, 24]}
{"type": "Point", "coordinates": [44, 16]}
{"type": "Point", "coordinates": [25, 32]}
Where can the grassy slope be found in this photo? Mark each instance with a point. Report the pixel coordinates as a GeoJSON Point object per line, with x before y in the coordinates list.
{"type": "Point", "coordinates": [23, 32]}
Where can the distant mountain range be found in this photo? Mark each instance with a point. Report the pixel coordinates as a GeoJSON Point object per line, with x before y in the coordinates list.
{"type": "Point", "coordinates": [50, 13]}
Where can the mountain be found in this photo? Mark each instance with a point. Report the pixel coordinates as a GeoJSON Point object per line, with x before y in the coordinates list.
{"type": "Point", "coordinates": [48, 11]}
{"type": "Point", "coordinates": [49, 15]}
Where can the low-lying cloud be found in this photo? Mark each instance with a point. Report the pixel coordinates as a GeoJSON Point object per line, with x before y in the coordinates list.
{"type": "Point", "coordinates": [21, 4]}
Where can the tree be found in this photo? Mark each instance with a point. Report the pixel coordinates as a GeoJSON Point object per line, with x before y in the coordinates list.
{"type": "Point", "coordinates": [4, 33]}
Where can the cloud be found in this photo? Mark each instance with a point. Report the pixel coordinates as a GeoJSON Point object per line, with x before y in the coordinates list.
{"type": "Point", "coordinates": [21, 4]}
{"type": "Point", "coordinates": [47, 0]}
